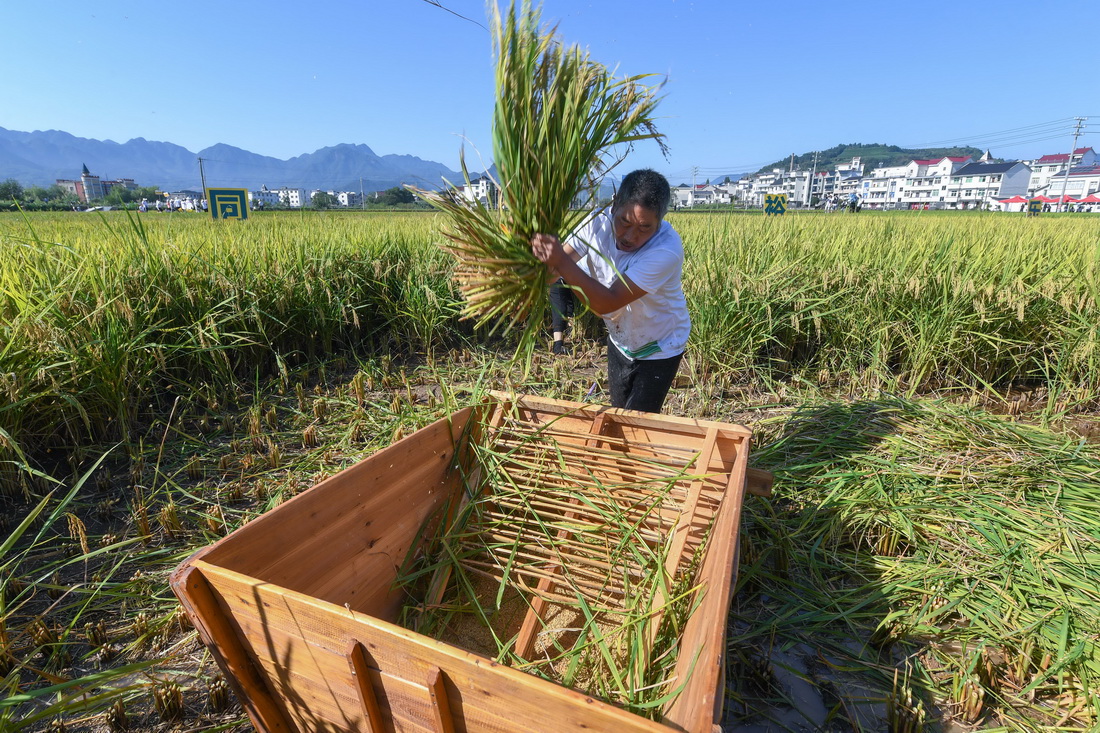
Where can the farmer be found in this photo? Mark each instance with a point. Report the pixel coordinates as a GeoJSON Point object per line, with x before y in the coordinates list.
{"type": "Point", "coordinates": [633, 265]}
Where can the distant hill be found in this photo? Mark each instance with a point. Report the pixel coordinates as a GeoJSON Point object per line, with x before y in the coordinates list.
{"type": "Point", "coordinates": [720, 178]}
{"type": "Point", "coordinates": [872, 156]}
{"type": "Point", "coordinates": [40, 158]}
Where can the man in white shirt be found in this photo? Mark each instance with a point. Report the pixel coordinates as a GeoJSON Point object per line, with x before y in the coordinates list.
{"type": "Point", "coordinates": [634, 263]}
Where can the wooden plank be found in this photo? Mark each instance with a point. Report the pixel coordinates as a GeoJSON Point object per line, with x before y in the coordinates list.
{"type": "Point", "coordinates": [403, 700]}
{"type": "Point", "coordinates": [206, 615]}
{"type": "Point", "coordinates": [440, 706]}
{"type": "Point", "coordinates": [662, 423]}
{"type": "Point", "coordinates": [284, 615]}
{"type": "Point", "coordinates": [525, 640]}
{"type": "Point", "coordinates": [283, 545]}
{"type": "Point", "coordinates": [705, 629]}
{"type": "Point", "coordinates": [359, 661]}
{"type": "Point", "coordinates": [759, 482]}
{"type": "Point", "coordinates": [676, 550]}
{"type": "Point", "coordinates": [687, 512]}
{"type": "Point", "coordinates": [345, 543]}
{"type": "Point", "coordinates": [437, 586]}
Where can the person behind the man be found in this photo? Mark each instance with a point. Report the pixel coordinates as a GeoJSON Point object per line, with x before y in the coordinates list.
{"type": "Point", "coordinates": [561, 310]}
{"type": "Point", "coordinates": [634, 260]}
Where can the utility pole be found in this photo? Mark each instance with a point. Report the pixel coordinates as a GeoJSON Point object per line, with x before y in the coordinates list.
{"type": "Point", "coordinates": [694, 173]}
{"type": "Point", "coordinates": [1069, 161]}
{"type": "Point", "coordinates": [202, 175]}
{"type": "Point", "coordinates": [362, 199]}
{"type": "Point", "coordinates": [810, 186]}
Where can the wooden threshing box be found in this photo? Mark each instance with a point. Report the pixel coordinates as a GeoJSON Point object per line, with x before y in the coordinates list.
{"type": "Point", "coordinates": [299, 606]}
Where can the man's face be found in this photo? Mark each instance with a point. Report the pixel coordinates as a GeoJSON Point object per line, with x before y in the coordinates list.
{"type": "Point", "coordinates": [634, 224]}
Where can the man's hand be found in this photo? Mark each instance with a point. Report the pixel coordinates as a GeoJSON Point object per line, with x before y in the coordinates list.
{"type": "Point", "coordinates": [562, 259]}
{"type": "Point", "coordinates": [548, 250]}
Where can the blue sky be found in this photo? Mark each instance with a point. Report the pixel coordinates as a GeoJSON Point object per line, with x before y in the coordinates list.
{"type": "Point", "coordinates": [747, 83]}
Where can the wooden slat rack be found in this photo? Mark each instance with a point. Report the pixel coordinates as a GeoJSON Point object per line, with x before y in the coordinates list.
{"type": "Point", "coordinates": [299, 606]}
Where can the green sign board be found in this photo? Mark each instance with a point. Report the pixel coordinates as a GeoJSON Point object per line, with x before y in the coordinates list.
{"type": "Point", "coordinates": [228, 203]}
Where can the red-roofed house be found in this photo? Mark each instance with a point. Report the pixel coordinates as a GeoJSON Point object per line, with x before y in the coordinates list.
{"type": "Point", "coordinates": [1083, 181]}
{"type": "Point", "coordinates": [1044, 169]}
{"type": "Point", "coordinates": [926, 181]}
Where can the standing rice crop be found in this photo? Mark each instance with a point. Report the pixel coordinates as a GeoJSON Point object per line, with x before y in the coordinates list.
{"type": "Point", "coordinates": [557, 118]}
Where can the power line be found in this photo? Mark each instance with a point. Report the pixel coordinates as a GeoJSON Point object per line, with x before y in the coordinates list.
{"type": "Point", "coordinates": [1065, 122]}
{"type": "Point", "coordinates": [442, 7]}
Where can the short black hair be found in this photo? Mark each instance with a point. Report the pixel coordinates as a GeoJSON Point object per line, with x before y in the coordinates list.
{"type": "Point", "coordinates": [647, 188]}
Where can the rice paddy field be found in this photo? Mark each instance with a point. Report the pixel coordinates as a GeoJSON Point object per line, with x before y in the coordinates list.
{"type": "Point", "coordinates": [923, 385]}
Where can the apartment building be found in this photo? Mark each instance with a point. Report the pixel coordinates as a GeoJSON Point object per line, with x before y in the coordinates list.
{"type": "Point", "coordinates": [1083, 180]}
{"type": "Point", "coordinates": [1048, 167]}
{"type": "Point", "coordinates": [295, 198]}
{"type": "Point", "coordinates": [883, 188]}
{"type": "Point", "coordinates": [752, 190]}
{"type": "Point", "coordinates": [926, 181]}
{"type": "Point", "coordinates": [482, 189]}
{"type": "Point", "coordinates": [976, 185]}
{"type": "Point", "coordinates": [263, 198]}
{"type": "Point", "coordinates": [824, 182]}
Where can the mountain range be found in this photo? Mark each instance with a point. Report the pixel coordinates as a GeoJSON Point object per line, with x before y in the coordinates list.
{"type": "Point", "coordinates": [41, 157]}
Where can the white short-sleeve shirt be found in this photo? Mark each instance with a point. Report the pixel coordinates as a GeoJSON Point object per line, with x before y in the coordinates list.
{"type": "Point", "coordinates": [655, 326]}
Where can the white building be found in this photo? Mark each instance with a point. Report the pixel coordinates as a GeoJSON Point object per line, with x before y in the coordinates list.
{"type": "Point", "coordinates": [1083, 180]}
{"type": "Point", "coordinates": [882, 189]}
{"type": "Point", "coordinates": [295, 198]}
{"type": "Point", "coordinates": [823, 184]}
{"type": "Point", "coordinates": [349, 199]}
{"type": "Point", "coordinates": [264, 196]}
{"type": "Point", "coordinates": [686, 196]}
{"type": "Point", "coordinates": [482, 189]}
{"type": "Point", "coordinates": [342, 198]}
{"type": "Point", "coordinates": [980, 185]}
{"type": "Point", "coordinates": [847, 183]}
{"type": "Point", "coordinates": [1046, 168]}
{"type": "Point", "coordinates": [926, 182]}
{"type": "Point", "coordinates": [725, 193]}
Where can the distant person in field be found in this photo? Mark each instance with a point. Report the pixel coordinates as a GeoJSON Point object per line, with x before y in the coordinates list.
{"type": "Point", "coordinates": [561, 310]}
{"type": "Point", "coordinates": [634, 262]}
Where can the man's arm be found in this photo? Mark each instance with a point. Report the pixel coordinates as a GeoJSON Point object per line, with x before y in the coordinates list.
{"type": "Point", "coordinates": [600, 298]}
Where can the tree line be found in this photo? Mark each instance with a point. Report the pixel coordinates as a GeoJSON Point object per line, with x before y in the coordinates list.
{"type": "Point", "coordinates": [56, 198]}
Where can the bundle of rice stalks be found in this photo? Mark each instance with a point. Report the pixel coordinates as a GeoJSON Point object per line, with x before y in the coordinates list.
{"type": "Point", "coordinates": [558, 117]}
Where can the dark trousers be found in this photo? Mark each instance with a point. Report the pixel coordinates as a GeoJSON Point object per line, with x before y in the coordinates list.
{"type": "Point", "coordinates": [639, 384]}
{"type": "Point", "coordinates": [561, 305]}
